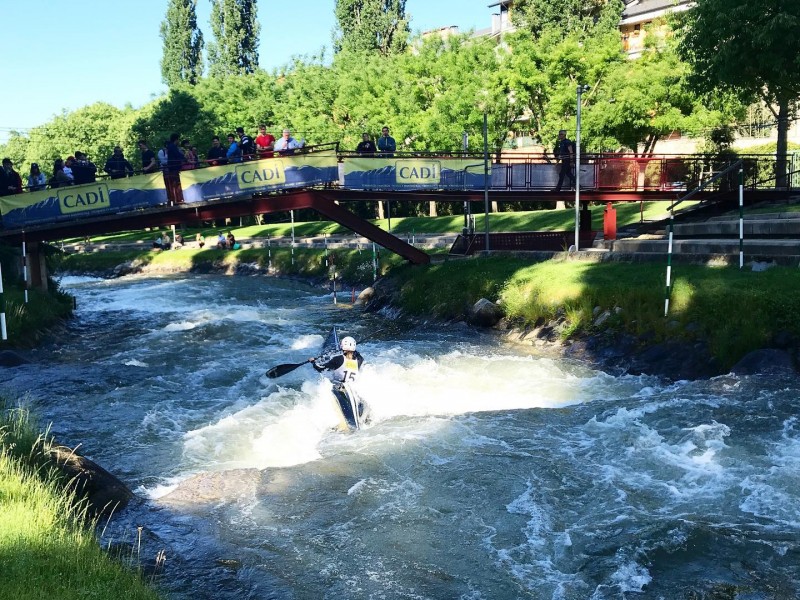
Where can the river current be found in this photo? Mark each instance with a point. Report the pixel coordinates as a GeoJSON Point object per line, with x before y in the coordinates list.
{"type": "Point", "coordinates": [486, 473]}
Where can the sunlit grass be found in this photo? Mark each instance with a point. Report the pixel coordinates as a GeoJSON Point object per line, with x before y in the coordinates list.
{"type": "Point", "coordinates": [47, 546]}
{"type": "Point", "coordinates": [628, 213]}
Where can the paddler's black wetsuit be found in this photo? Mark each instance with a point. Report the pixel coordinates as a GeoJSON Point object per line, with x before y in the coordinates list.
{"type": "Point", "coordinates": [343, 373]}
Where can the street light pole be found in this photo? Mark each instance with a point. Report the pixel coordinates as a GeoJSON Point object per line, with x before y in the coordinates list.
{"type": "Point", "coordinates": [581, 90]}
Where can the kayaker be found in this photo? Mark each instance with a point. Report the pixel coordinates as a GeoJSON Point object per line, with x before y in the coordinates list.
{"type": "Point", "coordinates": [343, 371]}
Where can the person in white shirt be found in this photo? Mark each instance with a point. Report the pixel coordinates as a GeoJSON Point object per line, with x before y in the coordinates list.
{"type": "Point", "coordinates": [286, 144]}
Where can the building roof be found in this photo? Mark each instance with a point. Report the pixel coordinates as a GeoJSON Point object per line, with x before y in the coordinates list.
{"type": "Point", "coordinates": [634, 8]}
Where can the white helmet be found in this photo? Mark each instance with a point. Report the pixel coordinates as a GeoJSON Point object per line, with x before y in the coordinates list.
{"type": "Point", "coordinates": [347, 344]}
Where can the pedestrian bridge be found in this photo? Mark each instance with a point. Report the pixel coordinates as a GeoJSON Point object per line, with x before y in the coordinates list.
{"type": "Point", "coordinates": [323, 179]}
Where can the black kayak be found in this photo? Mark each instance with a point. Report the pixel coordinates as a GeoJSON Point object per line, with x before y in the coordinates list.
{"type": "Point", "coordinates": [350, 405]}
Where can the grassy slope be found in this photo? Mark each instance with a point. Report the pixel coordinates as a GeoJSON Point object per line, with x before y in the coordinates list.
{"type": "Point", "coordinates": [46, 548]}
{"type": "Point", "coordinates": [541, 220]}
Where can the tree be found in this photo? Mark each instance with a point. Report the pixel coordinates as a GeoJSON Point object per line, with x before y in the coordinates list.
{"type": "Point", "coordinates": [182, 59]}
{"type": "Point", "coordinates": [371, 26]}
{"type": "Point", "coordinates": [751, 47]}
{"type": "Point", "coordinates": [567, 16]}
{"type": "Point", "coordinates": [235, 49]}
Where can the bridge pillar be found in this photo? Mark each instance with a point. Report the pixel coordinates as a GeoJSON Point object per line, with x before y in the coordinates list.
{"type": "Point", "coordinates": [37, 266]}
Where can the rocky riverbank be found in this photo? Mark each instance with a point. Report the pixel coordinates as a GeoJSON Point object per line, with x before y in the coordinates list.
{"type": "Point", "coordinates": [608, 349]}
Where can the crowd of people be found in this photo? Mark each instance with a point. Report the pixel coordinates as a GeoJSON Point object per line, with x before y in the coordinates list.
{"type": "Point", "coordinates": [175, 154]}
{"type": "Point", "coordinates": [224, 242]}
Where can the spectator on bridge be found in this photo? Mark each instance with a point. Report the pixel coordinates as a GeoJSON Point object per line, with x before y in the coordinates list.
{"type": "Point", "coordinates": [83, 170]}
{"type": "Point", "coordinates": [286, 145]}
{"type": "Point", "coordinates": [59, 178]}
{"type": "Point", "coordinates": [189, 156]}
{"type": "Point", "coordinates": [175, 157]}
{"type": "Point", "coordinates": [386, 144]}
{"type": "Point", "coordinates": [564, 152]}
{"type": "Point", "coordinates": [216, 154]}
{"type": "Point", "coordinates": [149, 164]}
{"type": "Point", "coordinates": [234, 153]}
{"type": "Point", "coordinates": [366, 146]}
{"type": "Point", "coordinates": [162, 156]}
{"type": "Point", "coordinates": [117, 166]}
{"type": "Point", "coordinates": [246, 145]}
{"type": "Point", "coordinates": [36, 179]}
{"type": "Point", "coordinates": [68, 164]}
{"type": "Point", "coordinates": [10, 181]}
{"type": "Point", "coordinates": [265, 142]}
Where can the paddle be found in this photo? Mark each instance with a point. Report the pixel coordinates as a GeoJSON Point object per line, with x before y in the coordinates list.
{"type": "Point", "coordinates": [281, 370]}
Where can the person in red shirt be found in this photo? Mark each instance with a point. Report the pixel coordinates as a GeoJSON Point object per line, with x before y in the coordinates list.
{"type": "Point", "coordinates": [265, 142]}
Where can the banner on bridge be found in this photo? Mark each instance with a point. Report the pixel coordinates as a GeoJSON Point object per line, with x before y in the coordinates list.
{"type": "Point", "coordinates": [266, 175]}
{"type": "Point", "coordinates": [81, 201]}
{"type": "Point", "coordinates": [413, 173]}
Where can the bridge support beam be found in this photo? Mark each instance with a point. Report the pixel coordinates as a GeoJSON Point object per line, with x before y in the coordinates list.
{"type": "Point", "coordinates": [37, 266]}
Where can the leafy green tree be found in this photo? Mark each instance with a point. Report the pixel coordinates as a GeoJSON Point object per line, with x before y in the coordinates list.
{"type": "Point", "coordinates": [371, 26]}
{"type": "Point", "coordinates": [93, 129]}
{"type": "Point", "coordinates": [235, 47]}
{"type": "Point", "coordinates": [751, 48]}
{"type": "Point", "coordinates": [181, 60]}
{"type": "Point", "coordinates": [566, 16]}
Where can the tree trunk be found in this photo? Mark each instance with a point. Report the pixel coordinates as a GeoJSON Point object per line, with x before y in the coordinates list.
{"type": "Point", "coordinates": [781, 151]}
{"type": "Point", "coordinates": [381, 215]}
{"type": "Point", "coordinates": [432, 209]}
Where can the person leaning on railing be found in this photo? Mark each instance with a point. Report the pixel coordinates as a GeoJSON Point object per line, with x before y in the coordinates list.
{"type": "Point", "coordinates": [286, 144]}
{"type": "Point", "coordinates": [36, 179]}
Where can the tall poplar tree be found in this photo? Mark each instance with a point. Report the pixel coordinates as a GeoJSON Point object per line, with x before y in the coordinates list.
{"type": "Point", "coordinates": [235, 47]}
{"type": "Point", "coordinates": [182, 59]}
{"type": "Point", "coordinates": [371, 26]}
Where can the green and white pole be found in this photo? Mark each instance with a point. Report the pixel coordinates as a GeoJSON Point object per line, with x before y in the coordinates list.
{"type": "Point", "coordinates": [291, 213]}
{"type": "Point", "coordinates": [326, 250]}
{"type": "Point", "coordinates": [25, 269]}
{"type": "Point", "coordinates": [269, 252]}
{"type": "Point", "coordinates": [741, 217]}
{"type": "Point", "coordinates": [3, 330]}
{"type": "Point", "coordinates": [669, 263]}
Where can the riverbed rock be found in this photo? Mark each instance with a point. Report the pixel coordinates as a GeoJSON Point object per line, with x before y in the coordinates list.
{"type": "Point", "coordinates": [768, 360]}
{"type": "Point", "coordinates": [11, 359]}
{"type": "Point", "coordinates": [105, 493]}
{"type": "Point", "coordinates": [365, 296]}
{"type": "Point", "coordinates": [485, 313]}
{"type": "Point", "coordinates": [675, 360]}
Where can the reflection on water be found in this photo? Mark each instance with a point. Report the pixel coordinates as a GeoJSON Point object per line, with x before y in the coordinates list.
{"type": "Point", "coordinates": [484, 473]}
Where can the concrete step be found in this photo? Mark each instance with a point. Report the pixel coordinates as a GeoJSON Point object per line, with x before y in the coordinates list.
{"type": "Point", "coordinates": [752, 247]}
{"type": "Point", "coordinates": [758, 217]}
{"type": "Point", "coordinates": [784, 228]}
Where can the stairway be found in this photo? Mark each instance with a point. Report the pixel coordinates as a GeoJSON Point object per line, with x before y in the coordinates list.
{"type": "Point", "coordinates": [770, 237]}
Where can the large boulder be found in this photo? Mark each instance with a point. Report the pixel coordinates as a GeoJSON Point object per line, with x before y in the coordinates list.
{"type": "Point", "coordinates": [767, 360]}
{"type": "Point", "coordinates": [105, 493]}
{"type": "Point", "coordinates": [485, 313]}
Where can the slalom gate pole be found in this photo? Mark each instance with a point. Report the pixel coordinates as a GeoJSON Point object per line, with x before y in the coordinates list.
{"type": "Point", "coordinates": [669, 262]}
{"type": "Point", "coordinates": [374, 263]}
{"type": "Point", "coordinates": [291, 212]}
{"type": "Point", "coordinates": [25, 268]}
{"type": "Point", "coordinates": [741, 217]}
{"type": "Point", "coordinates": [334, 283]}
{"type": "Point", "coordinates": [3, 330]}
{"type": "Point", "coordinates": [269, 252]}
{"type": "Point", "coordinates": [326, 250]}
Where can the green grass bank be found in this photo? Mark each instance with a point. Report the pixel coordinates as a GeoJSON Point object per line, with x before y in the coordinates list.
{"type": "Point", "coordinates": [734, 311]}
{"type": "Point", "coordinates": [48, 548]}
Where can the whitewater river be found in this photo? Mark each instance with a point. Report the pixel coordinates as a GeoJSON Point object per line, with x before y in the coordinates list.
{"type": "Point", "coordinates": [485, 474]}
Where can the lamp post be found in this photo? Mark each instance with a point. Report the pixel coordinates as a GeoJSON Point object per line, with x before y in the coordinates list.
{"type": "Point", "coordinates": [581, 90]}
